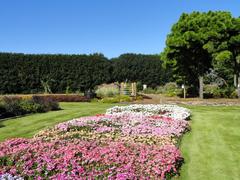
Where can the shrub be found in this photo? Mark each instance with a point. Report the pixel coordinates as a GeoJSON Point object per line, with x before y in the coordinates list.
{"type": "Point", "coordinates": [45, 103]}
{"type": "Point", "coordinates": [28, 106]}
{"type": "Point", "coordinates": [57, 97]}
{"type": "Point", "coordinates": [2, 110]}
{"type": "Point", "coordinates": [107, 91]}
{"type": "Point", "coordinates": [212, 91]}
{"type": "Point", "coordinates": [12, 106]}
{"type": "Point", "coordinates": [149, 90]}
{"type": "Point", "coordinates": [234, 94]}
{"type": "Point", "coordinates": [171, 89]}
{"type": "Point", "coordinates": [15, 106]}
{"type": "Point", "coordinates": [139, 86]}
{"type": "Point", "coordinates": [229, 92]}
{"type": "Point", "coordinates": [67, 97]}
{"type": "Point", "coordinates": [116, 99]}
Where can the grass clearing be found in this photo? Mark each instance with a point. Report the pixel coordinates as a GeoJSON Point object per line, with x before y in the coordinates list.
{"type": "Point", "coordinates": [28, 125]}
{"type": "Point", "coordinates": [211, 149]}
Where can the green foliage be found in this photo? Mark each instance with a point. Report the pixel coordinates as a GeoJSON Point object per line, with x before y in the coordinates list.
{"type": "Point", "coordinates": [139, 86]}
{"type": "Point", "coordinates": [106, 91]}
{"type": "Point", "coordinates": [24, 73]}
{"type": "Point", "coordinates": [65, 97]}
{"type": "Point", "coordinates": [16, 106]}
{"type": "Point", "coordinates": [234, 94]}
{"type": "Point", "coordinates": [28, 106]}
{"type": "Point", "coordinates": [12, 105]}
{"type": "Point", "coordinates": [212, 91]}
{"type": "Point", "coordinates": [171, 89]}
{"type": "Point", "coordinates": [226, 51]}
{"type": "Point", "coordinates": [192, 43]}
{"type": "Point", "coordinates": [150, 90]}
{"type": "Point", "coordinates": [116, 99]}
{"type": "Point", "coordinates": [145, 69]}
{"type": "Point", "coordinates": [215, 91]}
{"type": "Point", "coordinates": [45, 103]}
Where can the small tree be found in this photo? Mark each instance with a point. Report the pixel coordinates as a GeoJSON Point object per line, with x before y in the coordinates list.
{"type": "Point", "coordinates": [189, 41]}
{"type": "Point", "coordinates": [46, 86]}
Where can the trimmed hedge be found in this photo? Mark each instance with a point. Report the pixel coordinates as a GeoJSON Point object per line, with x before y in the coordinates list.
{"type": "Point", "coordinates": [67, 97]}
{"type": "Point", "coordinates": [26, 73]}
{"type": "Point", "coordinates": [54, 73]}
{"type": "Point", "coordinates": [54, 97]}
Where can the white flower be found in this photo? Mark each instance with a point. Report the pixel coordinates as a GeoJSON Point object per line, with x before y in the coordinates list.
{"type": "Point", "coordinates": [172, 111]}
{"type": "Point", "coordinates": [8, 176]}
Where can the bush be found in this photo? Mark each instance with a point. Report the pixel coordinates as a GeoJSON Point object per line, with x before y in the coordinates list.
{"type": "Point", "coordinates": [234, 94]}
{"type": "Point", "coordinates": [214, 91]}
{"type": "Point", "coordinates": [28, 106]}
{"type": "Point", "coordinates": [116, 99]}
{"type": "Point", "coordinates": [107, 91]}
{"type": "Point", "coordinates": [139, 86]}
{"type": "Point", "coordinates": [149, 91]}
{"type": "Point", "coordinates": [12, 106]}
{"type": "Point", "coordinates": [2, 110]}
{"type": "Point", "coordinates": [67, 97]}
{"type": "Point", "coordinates": [171, 89]}
{"type": "Point", "coordinates": [211, 91]}
{"type": "Point", "coordinates": [16, 106]}
{"type": "Point", "coordinates": [45, 103]}
{"type": "Point", "coordinates": [57, 97]}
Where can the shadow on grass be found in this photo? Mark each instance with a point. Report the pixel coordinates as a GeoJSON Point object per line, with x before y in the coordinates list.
{"type": "Point", "coordinates": [1, 125]}
{"type": "Point", "coordinates": [24, 115]}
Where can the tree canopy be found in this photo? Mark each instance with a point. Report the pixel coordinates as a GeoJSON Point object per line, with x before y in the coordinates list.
{"type": "Point", "coordinates": [195, 40]}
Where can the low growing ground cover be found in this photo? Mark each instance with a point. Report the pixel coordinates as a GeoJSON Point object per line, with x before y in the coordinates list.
{"type": "Point", "coordinates": [130, 144]}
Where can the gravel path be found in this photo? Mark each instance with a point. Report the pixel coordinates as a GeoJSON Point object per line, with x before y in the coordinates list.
{"type": "Point", "coordinates": [160, 99]}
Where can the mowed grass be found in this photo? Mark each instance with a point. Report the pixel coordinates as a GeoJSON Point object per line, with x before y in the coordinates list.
{"type": "Point", "coordinates": [29, 125]}
{"type": "Point", "coordinates": [212, 149]}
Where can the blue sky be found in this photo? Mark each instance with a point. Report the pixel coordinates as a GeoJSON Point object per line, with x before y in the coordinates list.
{"type": "Point", "coordinates": [111, 27]}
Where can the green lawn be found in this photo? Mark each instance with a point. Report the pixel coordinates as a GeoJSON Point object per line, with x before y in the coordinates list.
{"type": "Point", "coordinates": [28, 125]}
{"type": "Point", "coordinates": [211, 150]}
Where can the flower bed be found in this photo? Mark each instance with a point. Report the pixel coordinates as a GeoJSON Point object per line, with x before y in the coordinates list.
{"type": "Point", "coordinates": [171, 111]}
{"type": "Point", "coordinates": [121, 145]}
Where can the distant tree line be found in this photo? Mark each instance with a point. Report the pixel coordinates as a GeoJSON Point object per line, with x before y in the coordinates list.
{"type": "Point", "coordinates": [28, 73]}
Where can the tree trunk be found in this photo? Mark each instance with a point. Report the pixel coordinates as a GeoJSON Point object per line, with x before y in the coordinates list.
{"type": "Point", "coordinates": [238, 87]}
{"type": "Point", "coordinates": [201, 87]}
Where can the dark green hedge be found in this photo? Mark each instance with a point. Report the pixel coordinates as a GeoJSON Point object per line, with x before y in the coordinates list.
{"type": "Point", "coordinates": [26, 73]}
{"type": "Point", "coordinates": [146, 69]}
{"type": "Point", "coordinates": [20, 73]}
